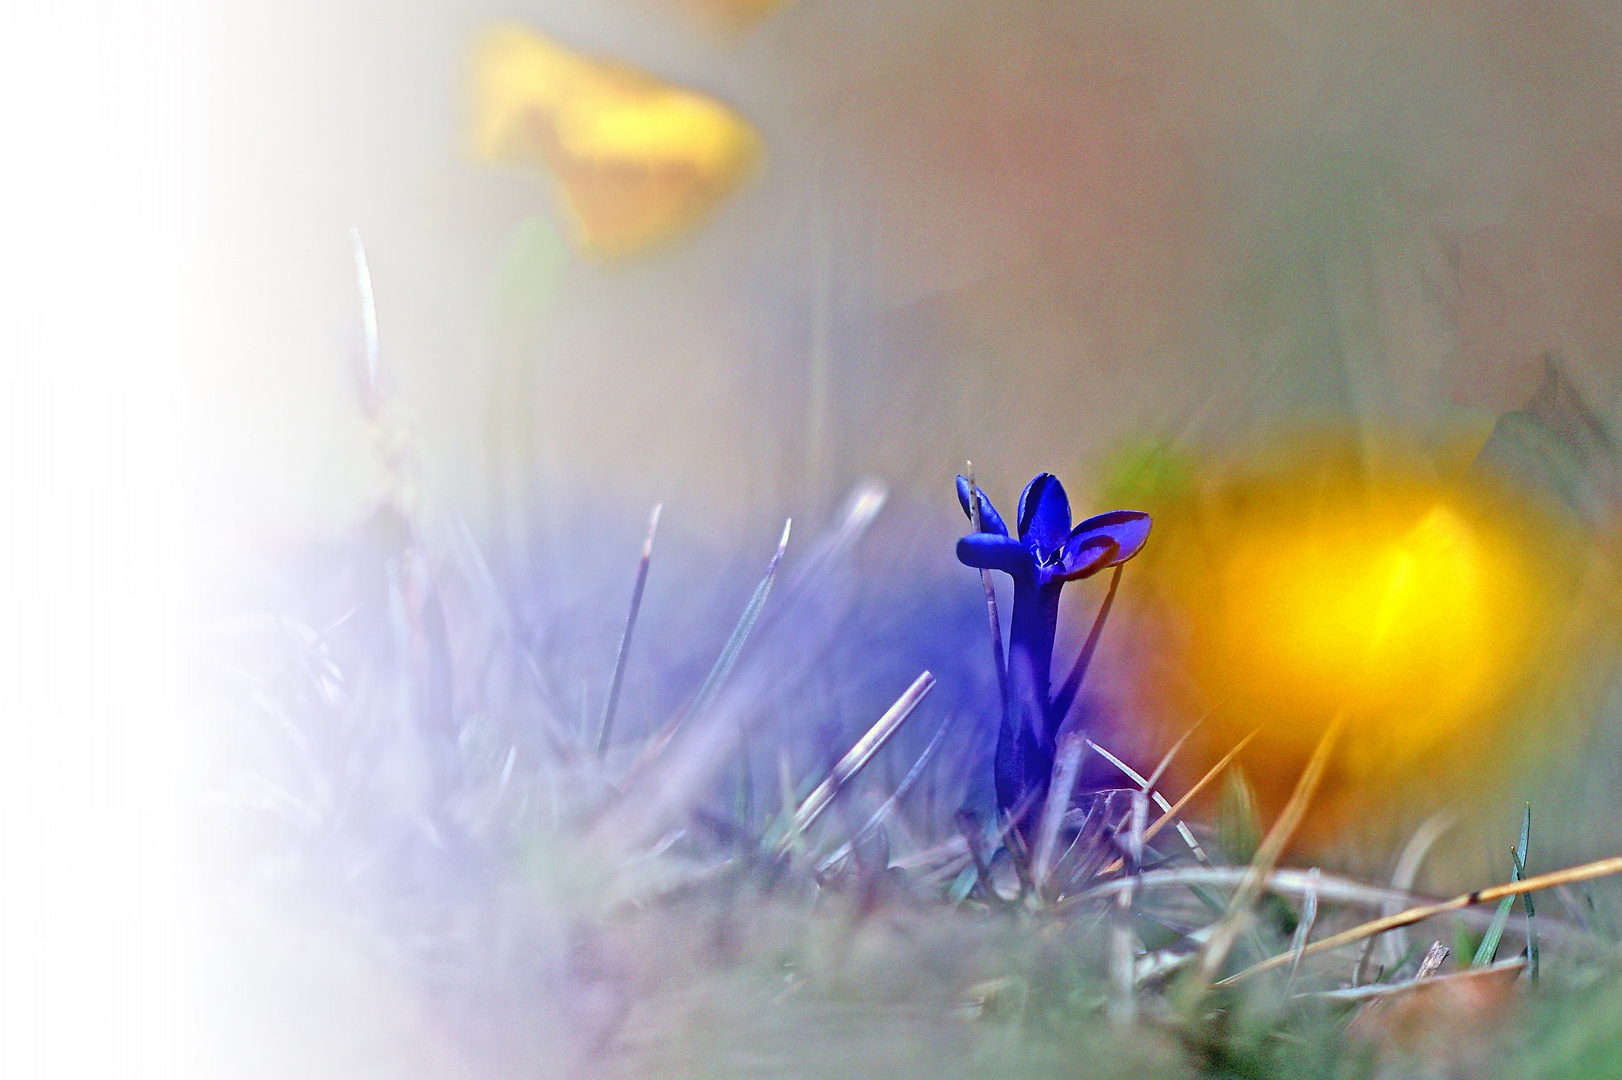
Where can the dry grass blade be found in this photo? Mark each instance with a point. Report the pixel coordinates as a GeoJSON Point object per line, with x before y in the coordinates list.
{"type": "Point", "coordinates": [605, 728]}
{"type": "Point", "coordinates": [1189, 796]}
{"type": "Point", "coordinates": [889, 805]}
{"type": "Point", "coordinates": [1309, 916]}
{"type": "Point", "coordinates": [1272, 846]}
{"type": "Point", "coordinates": [991, 599]}
{"type": "Point", "coordinates": [1406, 872]}
{"type": "Point", "coordinates": [1123, 1002]}
{"type": "Point", "coordinates": [1167, 758]}
{"type": "Point", "coordinates": [1386, 990]}
{"type": "Point", "coordinates": [860, 754]}
{"type": "Point", "coordinates": [1432, 963]}
{"type": "Point", "coordinates": [1331, 888]}
{"type": "Point", "coordinates": [1067, 763]}
{"type": "Point", "coordinates": [1160, 801]}
{"type": "Point", "coordinates": [724, 663]}
{"type": "Point", "coordinates": [1586, 872]}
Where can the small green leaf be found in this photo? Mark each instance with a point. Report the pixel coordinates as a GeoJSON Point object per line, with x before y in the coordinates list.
{"type": "Point", "coordinates": [1495, 930]}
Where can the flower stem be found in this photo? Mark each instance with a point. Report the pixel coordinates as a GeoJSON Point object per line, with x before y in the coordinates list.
{"type": "Point", "coordinates": [1025, 742]}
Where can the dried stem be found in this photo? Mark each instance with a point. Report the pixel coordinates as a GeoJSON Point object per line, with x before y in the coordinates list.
{"type": "Point", "coordinates": [1272, 846]}
{"type": "Point", "coordinates": [1586, 872]}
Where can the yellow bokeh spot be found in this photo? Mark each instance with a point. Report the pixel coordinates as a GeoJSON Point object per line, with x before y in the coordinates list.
{"type": "Point", "coordinates": [1418, 609]}
{"type": "Point", "coordinates": [1385, 612]}
{"type": "Point", "coordinates": [635, 160]}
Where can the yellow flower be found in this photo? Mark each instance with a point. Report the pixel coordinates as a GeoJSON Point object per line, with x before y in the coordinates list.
{"type": "Point", "coordinates": [1421, 609]}
{"type": "Point", "coordinates": [635, 160]}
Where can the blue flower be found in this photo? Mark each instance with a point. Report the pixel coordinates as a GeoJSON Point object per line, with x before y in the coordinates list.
{"type": "Point", "coordinates": [1044, 554]}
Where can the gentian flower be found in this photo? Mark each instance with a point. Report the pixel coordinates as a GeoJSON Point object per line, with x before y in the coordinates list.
{"type": "Point", "coordinates": [1044, 554]}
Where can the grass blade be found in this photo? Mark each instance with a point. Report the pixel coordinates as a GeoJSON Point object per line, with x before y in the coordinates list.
{"type": "Point", "coordinates": [1487, 951]}
{"type": "Point", "coordinates": [1169, 816]}
{"type": "Point", "coordinates": [1250, 886]}
{"type": "Point", "coordinates": [889, 806]}
{"type": "Point", "coordinates": [991, 600]}
{"type": "Point", "coordinates": [1406, 872]}
{"type": "Point", "coordinates": [1067, 763]}
{"type": "Point", "coordinates": [740, 632]}
{"type": "Point", "coordinates": [368, 306]}
{"type": "Point", "coordinates": [1303, 929]}
{"type": "Point", "coordinates": [1531, 924]}
{"type": "Point", "coordinates": [1160, 801]}
{"type": "Point", "coordinates": [605, 727]}
{"type": "Point", "coordinates": [861, 753]}
{"type": "Point", "coordinates": [720, 670]}
{"type": "Point", "coordinates": [1586, 872]}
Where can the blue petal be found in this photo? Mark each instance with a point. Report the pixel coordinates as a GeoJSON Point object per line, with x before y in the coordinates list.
{"type": "Point", "coordinates": [1129, 529]}
{"type": "Point", "coordinates": [985, 551]}
{"type": "Point", "coordinates": [990, 520]}
{"type": "Point", "coordinates": [1044, 513]}
{"type": "Point", "coordinates": [1086, 555]}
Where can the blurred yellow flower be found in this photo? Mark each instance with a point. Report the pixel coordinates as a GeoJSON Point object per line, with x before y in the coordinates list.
{"type": "Point", "coordinates": [635, 160]}
{"type": "Point", "coordinates": [1421, 608]}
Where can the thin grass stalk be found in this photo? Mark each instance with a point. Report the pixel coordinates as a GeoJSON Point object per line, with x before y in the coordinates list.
{"type": "Point", "coordinates": [724, 663]}
{"type": "Point", "coordinates": [1272, 846]}
{"type": "Point", "coordinates": [991, 601]}
{"type": "Point", "coordinates": [1123, 1003]}
{"type": "Point", "coordinates": [1531, 915]}
{"type": "Point", "coordinates": [605, 727]}
{"type": "Point", "coordinates": [1381, 991]}
{"type": "Point", "coordinates": [368, 307]}
{"type": "Point", "coordinates": [1160, 800]}
{"type": "Point", "coordinates": [891, 804]}
{"type": "Point", "coordinates": [1531, 923]}
{"type": "Point", "coordinates": [1171, 752]}
{"type": "Point", "coordinates": [1066, 766]}
{"type": "Point", "coordinates": [1303, 929]}
{"type": "Point", "coordinates": [1171, 816]}
{"type": "Point", "coordinates": [1406, 872]}
{"type": "Point", "coordinates": [1585, 872]}
{"type": "Point", "coordinates": [861, 753]}
{"type": "Point", "coordinates": [739, 637]}
{"type": "Point", "coordinates": [1487, 951]}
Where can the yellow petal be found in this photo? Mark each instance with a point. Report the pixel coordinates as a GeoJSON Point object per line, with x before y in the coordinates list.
{"type": "Point", "coordinates": [635, 160]}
